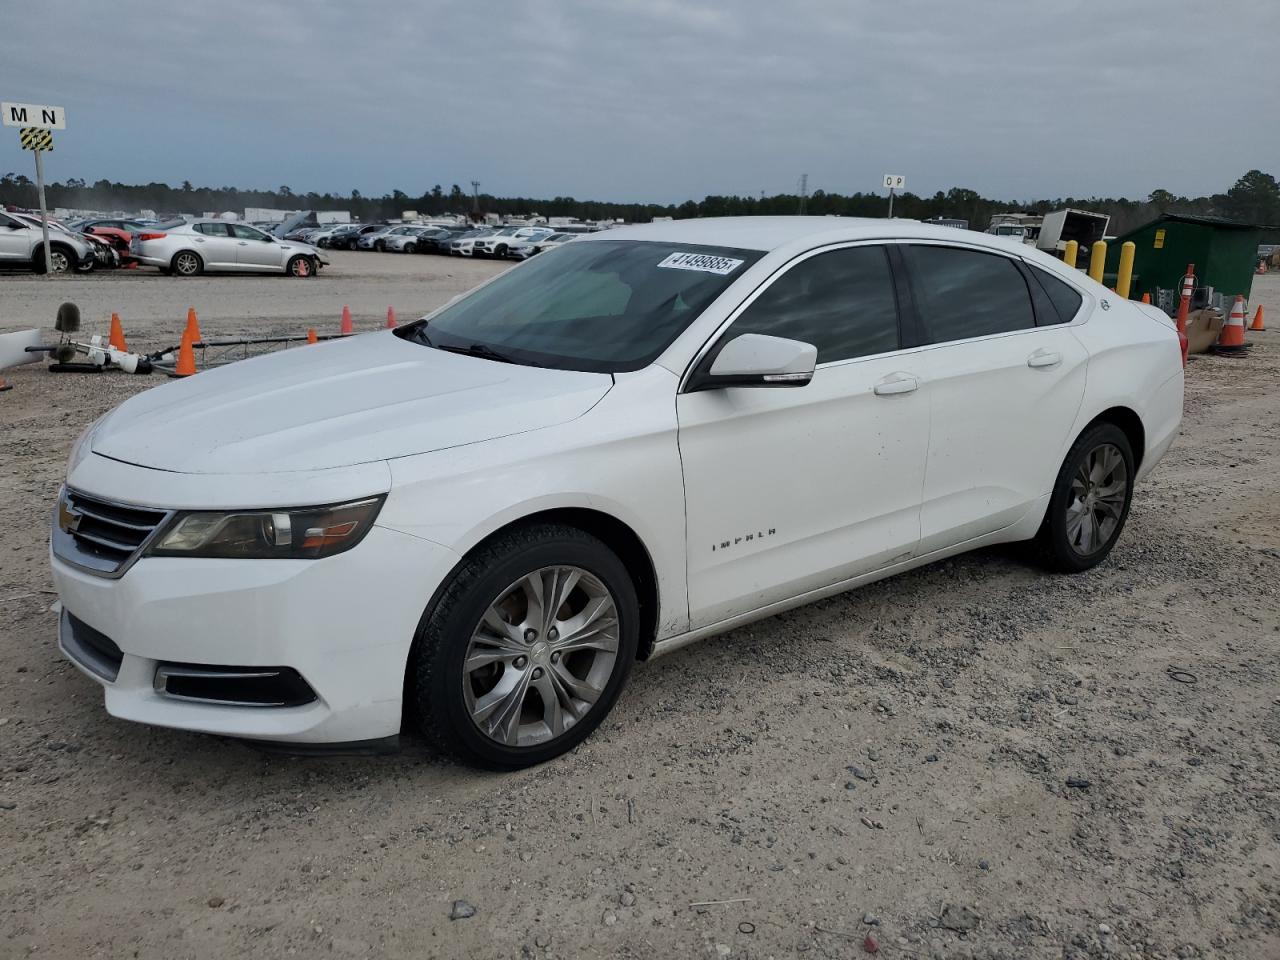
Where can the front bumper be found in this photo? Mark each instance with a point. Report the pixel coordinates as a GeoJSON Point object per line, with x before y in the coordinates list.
{"type": "Point", "coordinates": [345, 624]}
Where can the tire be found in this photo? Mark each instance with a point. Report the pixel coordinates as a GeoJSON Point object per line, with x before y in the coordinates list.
{"type": "Point", "coordinates": [460, 624]}
{"type": "Point", "coordinates": [300, 266]}
{"type": "Point", "coordinates": [500, 251]}
{"type": "Point", "coordinates": [1090, 501]}
{"type": "Point", "coordinates": [62, 259]}
{"type": "Point", "coordinates": [186, 263]}
{"type": "Point", "coordinates": [409, 248]}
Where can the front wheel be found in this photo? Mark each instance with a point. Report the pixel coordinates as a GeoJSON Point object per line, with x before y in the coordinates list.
{"type": "Point", "coordinates": [60, 260]}
{"type": "Point", "coordinates": [300, 266]}
{"type": "Point", "coordinates": [1090, 501]}
{"type": "Point", "coordinates": [525, 648]}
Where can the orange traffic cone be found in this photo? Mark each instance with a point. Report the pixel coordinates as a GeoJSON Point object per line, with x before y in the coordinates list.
{"type": "Point", "coordinates": [1231, 339]}
{"type": "Point", "coordinates": [186, 365]}
{"type": "Point", "coordinates": [391, 318]}
{"type": "Point", "coordinates": [346, 329]}
{"type": "Point", "coordinates": [5, 386]}
{"type": "Point", "coordinates": [193, 327]}
{"type": "Point", "coordinates": [1258, 323]}
{"type": "Point", "coordinates": [1184, 309]}
{"type": "Point", "coordinates": [311, 336]}
{"type": "Point", "coordinates": [1146, 298]}
{"type": "Point", "coordinates": [116, 338]}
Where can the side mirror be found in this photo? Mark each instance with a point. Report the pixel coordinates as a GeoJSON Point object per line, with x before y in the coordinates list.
{"type": "Point", "coordinates": [756, 360]}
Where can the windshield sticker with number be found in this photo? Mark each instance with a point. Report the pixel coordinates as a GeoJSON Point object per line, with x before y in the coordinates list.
{"type": "Point", "coordinates": [701, 262]}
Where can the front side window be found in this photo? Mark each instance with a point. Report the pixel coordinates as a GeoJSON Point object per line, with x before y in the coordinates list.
{"type": "Point", "coordinates": [966, 293]}
{"type": "Point", "coordinates": [606, 306]}
{"type": "Point", "coordinates": [842, 302]}
{"type": "Point", "coordinates": [246, 233]}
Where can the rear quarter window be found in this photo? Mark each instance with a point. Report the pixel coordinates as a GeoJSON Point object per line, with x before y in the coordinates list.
{"type": "Point", "coordinates": [1065, 298]}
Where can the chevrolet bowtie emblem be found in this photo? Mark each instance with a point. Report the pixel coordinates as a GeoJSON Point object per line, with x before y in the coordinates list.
{"type": "Point", "coordinates": [68, 519]}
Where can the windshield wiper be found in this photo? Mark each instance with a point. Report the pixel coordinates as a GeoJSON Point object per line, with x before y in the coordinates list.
{"type": "Point", "coordinates": [481, 350]}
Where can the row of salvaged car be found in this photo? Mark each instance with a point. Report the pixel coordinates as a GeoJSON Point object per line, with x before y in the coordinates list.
{"type": "Point", "coordinates": [513, 242]}
{"type": "Point", "coordinates": [177, 246]}
{"type": "Point", "coordinates": [72, 247]}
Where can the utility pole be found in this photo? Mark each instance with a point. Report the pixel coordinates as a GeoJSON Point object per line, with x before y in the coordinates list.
{"type": "Point", "coordinates": [475, 196]}
{"type": "Point", "coordinates": [804, 192]}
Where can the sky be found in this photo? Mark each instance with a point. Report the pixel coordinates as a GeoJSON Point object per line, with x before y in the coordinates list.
{"type": "Point", "coordinates": [653, 100]}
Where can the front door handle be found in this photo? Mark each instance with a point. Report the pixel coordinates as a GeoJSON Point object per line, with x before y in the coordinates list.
{"type": "Point", "coordinates": [896, 383]}
{"type": "Point", "coordinates": [1044, 358]}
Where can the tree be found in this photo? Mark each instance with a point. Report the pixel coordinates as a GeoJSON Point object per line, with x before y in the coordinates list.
{"type": "Point", "coordinates": [1255, 198]}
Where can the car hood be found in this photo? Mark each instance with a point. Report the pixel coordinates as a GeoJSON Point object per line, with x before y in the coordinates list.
{"type": "Point", "coordinates": [358, 400]}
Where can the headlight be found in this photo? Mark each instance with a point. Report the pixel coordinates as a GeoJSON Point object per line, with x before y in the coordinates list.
{"type": "Point", "coordinates": [306, 533]}
{"type": "Point", "coordinates": [84, 444]}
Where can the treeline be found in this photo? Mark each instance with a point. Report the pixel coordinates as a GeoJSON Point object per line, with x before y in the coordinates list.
{"type": "Point", "coordinates": [1255, 198]}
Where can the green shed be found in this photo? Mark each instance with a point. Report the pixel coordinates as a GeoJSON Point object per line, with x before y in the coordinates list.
{"type": "Point", "coordinates": [1224, 252]}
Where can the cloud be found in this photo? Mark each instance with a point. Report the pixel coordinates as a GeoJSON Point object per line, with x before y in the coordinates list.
{"type": "Point", "coordinates": [655, 99]}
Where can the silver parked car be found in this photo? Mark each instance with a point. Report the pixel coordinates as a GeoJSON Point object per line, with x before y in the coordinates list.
{"type": "Point", "coordinates": [22, 245]}
{"type": "Point", "coordinates": [189, 248]}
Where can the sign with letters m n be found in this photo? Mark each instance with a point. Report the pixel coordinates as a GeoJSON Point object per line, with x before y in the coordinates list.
{"type": "Point", "coordinates": [33, 115]}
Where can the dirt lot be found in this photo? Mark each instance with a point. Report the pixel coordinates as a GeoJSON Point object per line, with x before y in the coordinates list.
{"type": "Point", "coordinates": [972, 760]}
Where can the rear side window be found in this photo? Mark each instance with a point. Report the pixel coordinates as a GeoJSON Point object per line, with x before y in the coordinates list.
{"type": "Point", "coordinates": [842, 302]}
{"type": "Point", "coordinates": [1066, 300]}
{"type": "Point", "coordinates": [965, 293]}
{"type": "Point", "coordinates": [212, 229]}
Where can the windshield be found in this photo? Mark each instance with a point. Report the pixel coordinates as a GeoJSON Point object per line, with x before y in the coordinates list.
{"type": "Point", "coordinates": [605, 306]}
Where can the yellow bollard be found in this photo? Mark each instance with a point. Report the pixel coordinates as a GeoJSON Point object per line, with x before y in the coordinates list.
{"type": "Point", "coordinates": [1125, 277]}
{"type": "Point", "coordinates": [1069, 255]}
{"type": "Point", "coordinates": [1097, 259]}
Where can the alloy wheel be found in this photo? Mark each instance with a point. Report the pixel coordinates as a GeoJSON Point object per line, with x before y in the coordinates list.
{"type": "Point", "coordinates": [541, 656]}
{"type": "Point", "coordinates": [58, 262]}
{"type": "Point", "coordinates": [186, 264]}
{"type": "Point", "coordinates": [1099, 490]}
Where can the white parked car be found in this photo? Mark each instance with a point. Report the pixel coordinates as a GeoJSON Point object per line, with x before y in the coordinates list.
{"type": "Point", "coordinates": [527, 248]}
{"type": "Point", "coordinates": [499, 243]}
{"type": "Point", "coordinates": [478, 522]}
{"type": "Point", "coordinates": [405, 239]}
{"type": "Point", "coordinates": [188, 248]}
{"type": "Point", "coordinates": [464, 245]}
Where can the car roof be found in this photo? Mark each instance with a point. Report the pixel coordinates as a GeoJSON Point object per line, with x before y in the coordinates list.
{"type": "Point", "coordinates": [771, 233]}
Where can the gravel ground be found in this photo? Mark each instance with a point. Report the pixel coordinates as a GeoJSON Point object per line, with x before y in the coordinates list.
{"type": "Point", "coordinates": [972, 760]}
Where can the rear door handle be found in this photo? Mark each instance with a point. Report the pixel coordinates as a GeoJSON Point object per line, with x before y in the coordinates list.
{"type": "Point", "coordinates": [896, 383]}
{"type": "Point", "coordinates": [1044, 358]}
{"type": "Point", "coordinates": [244, 243]}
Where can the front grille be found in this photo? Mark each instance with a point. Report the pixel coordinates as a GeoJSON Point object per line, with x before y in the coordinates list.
{"type": "Point", "coordinates": [90, 648]}
{"type": "Point", "coordinates": [233, 686]}
{"type": "Point", "coordinates": [100, 536]}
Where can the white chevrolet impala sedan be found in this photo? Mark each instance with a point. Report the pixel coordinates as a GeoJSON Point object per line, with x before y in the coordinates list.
{"type": "Point", "coordinates": [474, 525]}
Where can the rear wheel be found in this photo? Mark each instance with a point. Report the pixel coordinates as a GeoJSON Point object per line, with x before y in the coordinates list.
{"type": "Point", "coordinates": [1090, 501]}
{"type": "Point", "coordinates": [186, 263]}
{"type": "Point", "coordinates": [525, 648]}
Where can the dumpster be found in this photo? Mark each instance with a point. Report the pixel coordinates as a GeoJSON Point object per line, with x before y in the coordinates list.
{"type": "Point", "coordinates": [1224, 252]}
